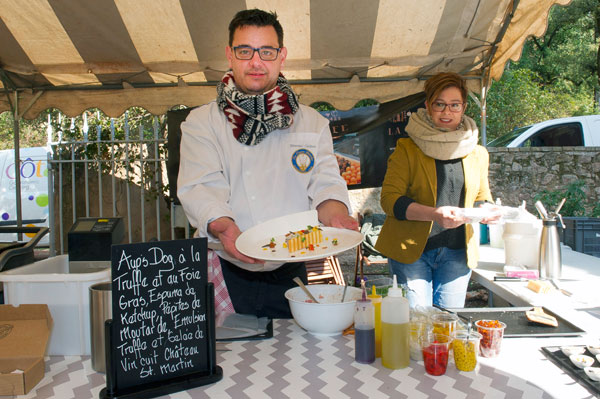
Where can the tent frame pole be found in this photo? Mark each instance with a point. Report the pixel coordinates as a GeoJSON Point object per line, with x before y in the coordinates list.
{"type": "Point", "coordinates": [16, 125]}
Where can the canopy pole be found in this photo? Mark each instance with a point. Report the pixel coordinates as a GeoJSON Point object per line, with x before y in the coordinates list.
{"type": "Point", "coordinates": [483, 114]}
{"type": "Point", "coordinates": [16, 124]}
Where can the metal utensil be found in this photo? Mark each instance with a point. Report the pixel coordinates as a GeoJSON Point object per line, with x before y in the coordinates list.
{"type": "Point", "coordinates": [469, 327]}
{"type": "Point", "coordinates": [464, 318]}
{"type": "Point", "coordinates": [542, 211]}
{"type": "Point", "coordinates": [564, 292]}
{"type": "Point", "coordinates": [557, 211]}
{"type": "Point", "coordinates": [344, 293]}
{"type": "Point", "coordinates": [306, 291]}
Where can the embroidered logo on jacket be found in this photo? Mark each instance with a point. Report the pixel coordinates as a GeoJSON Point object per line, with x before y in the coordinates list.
{"type": "Point", "coordinates": [303, 160]}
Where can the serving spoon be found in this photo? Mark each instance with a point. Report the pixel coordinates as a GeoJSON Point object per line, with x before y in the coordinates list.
{"type": "Point", "coordinates": [306, 291]}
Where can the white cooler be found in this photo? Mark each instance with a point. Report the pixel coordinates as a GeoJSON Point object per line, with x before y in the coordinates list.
{"type": "Point", "coordinates": [66, 294]}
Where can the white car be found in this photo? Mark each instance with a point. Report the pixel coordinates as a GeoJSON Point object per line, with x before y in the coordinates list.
{"type": "Point", "coordinates": [563, 132]}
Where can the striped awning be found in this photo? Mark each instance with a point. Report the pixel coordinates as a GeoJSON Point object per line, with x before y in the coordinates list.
{"type": "Point", "coordinates": [114, 54]}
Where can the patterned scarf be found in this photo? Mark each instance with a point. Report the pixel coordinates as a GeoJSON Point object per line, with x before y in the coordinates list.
{"type": "Point", "coordinates": [441, 143]}
{"type": "Point", "coordinates": [254, 116]}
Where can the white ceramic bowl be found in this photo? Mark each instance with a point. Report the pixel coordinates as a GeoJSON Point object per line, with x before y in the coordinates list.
{"type": "Point", "coordinates": [573, 350]}
{"type": "Point", "coordinates": [582, 361]}
{"type": "Point", "coordinates": [593, 373]}
{"type": "Point", "coordinates": [329, 317]}
{"type": "Point", "coordinates": [594, 349]}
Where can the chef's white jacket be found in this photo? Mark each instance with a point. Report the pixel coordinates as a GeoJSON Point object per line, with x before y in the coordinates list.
{"type": "Point", "coordinates": [291, 170]}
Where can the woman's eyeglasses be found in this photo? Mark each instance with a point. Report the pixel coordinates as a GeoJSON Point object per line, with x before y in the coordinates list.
{"type": "Point", "coordinates": [453, 107]}
{"type": "Point", "coordinates": [265, 53]}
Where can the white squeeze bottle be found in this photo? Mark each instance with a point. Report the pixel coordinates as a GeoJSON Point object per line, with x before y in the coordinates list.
{"type": "Point", "coordinates": [395, 331]}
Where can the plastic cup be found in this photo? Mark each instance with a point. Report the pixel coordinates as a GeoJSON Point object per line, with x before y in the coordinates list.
{"type": "Point", "coordinates": [466, 349]}
{"type": "Point", "coordinates": [444, 323]}
{"type": "Point", "coordinates": [435, 348]}
{"type": "Point", "coordinates": [418, 331]}
{"type": "Point", "coordinates": [491, 332]}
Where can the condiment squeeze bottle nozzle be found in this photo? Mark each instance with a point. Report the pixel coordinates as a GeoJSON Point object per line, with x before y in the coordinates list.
{"type": "Point", "coordinates": [376, 300]}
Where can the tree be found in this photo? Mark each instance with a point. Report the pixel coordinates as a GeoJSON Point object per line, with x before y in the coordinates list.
{"type": "Point", "coordinates": [556, 76]}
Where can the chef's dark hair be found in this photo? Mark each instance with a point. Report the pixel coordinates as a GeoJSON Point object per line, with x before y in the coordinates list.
{"type": "Point", "coordinates": [255, 17]}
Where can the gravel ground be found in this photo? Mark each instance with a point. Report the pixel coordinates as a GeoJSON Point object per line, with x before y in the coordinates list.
{"type": "Point", "coordinates": [477, 296]}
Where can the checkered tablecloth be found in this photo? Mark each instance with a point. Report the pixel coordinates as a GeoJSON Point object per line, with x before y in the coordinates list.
{"type": "Point", "coordinates": [294, 364]}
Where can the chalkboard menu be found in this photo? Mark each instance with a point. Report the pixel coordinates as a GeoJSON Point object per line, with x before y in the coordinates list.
{"type": "Point", "coordinates": [162, 335]}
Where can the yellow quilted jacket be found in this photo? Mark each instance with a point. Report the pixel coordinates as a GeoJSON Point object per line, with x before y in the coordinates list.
{"type": "Point", "coordinates": [412, 173]}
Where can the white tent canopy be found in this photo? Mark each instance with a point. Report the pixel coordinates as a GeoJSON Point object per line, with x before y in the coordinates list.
{"type": "Point", "coordinates": [114, 54]}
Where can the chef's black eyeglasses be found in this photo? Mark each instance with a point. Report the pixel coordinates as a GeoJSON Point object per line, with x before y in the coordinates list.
{"type": "Point", "coordinates": [265, 53]}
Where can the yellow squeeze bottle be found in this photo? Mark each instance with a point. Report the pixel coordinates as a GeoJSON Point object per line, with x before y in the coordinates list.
{"type": "Point", "coordinates": [376, 301]}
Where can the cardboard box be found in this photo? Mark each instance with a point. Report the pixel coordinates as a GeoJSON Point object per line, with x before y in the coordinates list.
{"type": "Point", "coordinates": [24, 333]}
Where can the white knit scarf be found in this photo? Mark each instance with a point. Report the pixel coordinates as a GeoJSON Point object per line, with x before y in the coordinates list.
{"type": "Point", "coordinates": [441, 143]}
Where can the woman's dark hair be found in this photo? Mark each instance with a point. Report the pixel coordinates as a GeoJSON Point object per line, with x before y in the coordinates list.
{"type": "Point", "coordinates": [440, 82]}
{"type": "Point", "coordinates": [258, 18]}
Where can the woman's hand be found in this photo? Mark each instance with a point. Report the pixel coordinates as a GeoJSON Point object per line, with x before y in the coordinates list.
{"type": "Point", "coordinates": [448, 217]}
{"type": "Point", "coordinates": [495, 213]}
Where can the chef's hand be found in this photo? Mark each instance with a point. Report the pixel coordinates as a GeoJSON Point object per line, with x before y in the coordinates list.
{"type": "Point", "coordinates": [449, 217]}
{"type": "Point", "coordinates": [227, 232]}
{"type": "Point", "coordinates": [495, 213]}
{"type": "Point", "coordinates": [334, 213]}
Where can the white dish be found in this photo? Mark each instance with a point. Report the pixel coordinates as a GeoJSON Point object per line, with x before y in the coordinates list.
{"type": "Point", "coordinates": [329, 317]}
{"type": "Point", "coordinates": [573, 350]}
{"type": "Point", "coordinates": [593, 373]}
{"type": "Point", "coordinates": [475, 215]}
{"type": "Point", "coordinates": [594, 349]}
{"type": "Point", "coordinates": [252, 242]}
{"type": "Point", "coordinates": [582, 361]}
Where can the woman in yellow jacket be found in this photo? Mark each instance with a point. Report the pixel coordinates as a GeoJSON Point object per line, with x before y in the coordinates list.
{"type": "Point", "coordinates": [431, 175]}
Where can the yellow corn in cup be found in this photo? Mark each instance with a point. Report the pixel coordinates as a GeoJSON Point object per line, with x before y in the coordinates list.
{"type": "Point", "coordinates": [466, 349]}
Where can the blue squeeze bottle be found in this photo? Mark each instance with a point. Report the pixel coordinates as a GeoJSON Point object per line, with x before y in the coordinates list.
{"type": "Point", "coordinates": [364, 329]}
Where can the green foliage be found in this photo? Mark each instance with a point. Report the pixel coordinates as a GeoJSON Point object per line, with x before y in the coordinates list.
{"type": "Point", "coordinates": [32, 133]}
{"type": "Point", "coordinates": [596, 210]}
{"type": "Point", "coordinates": [556, 76]}
{"type": "Point", "coordinates": [325, 106]}
{"type": "Point", "coordinates": [575, 198]}
{"type": "Point", "coordinates": [519, 99]}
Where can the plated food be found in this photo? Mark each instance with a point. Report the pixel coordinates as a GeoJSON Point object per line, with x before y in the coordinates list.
{"type": "Point", "coordinates": [537, 315]}
{"type": "Point", "coordinates": [573, 350]}
{"type": "Point", "coordinates": [594, 349]}
{"type": "Point", "coordinates": [475, 215]}
{"type": "Point", "coordinates": [582, 361]}
{"type": "Point", "coordinates": [295, 238]}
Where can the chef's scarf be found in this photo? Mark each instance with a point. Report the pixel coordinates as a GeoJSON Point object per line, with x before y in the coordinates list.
{"type": "Point", "coordinates": [254, 116]}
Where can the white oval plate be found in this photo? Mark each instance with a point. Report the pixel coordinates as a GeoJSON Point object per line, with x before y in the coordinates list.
{"type": "Point", "coordinates": [251, 241]}
{"type": "Point", "coordinates": [475, 215]}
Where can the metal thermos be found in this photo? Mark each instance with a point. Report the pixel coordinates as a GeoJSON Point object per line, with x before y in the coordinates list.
{"type": "Point", "coordinates": [550, 263]}
{"type": "Point", "coordinates": [550, 256]}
